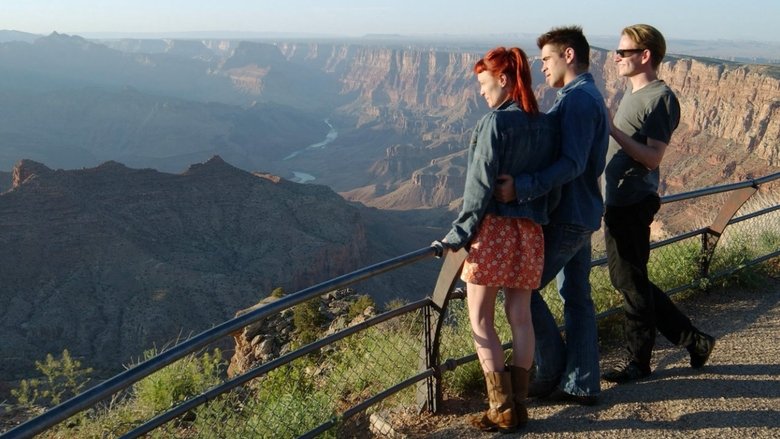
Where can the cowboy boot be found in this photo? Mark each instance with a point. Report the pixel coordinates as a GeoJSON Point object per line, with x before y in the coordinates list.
{"type": "Point", "coordinates": [520, 378]}
{"type": "Point", "coordinates": [501, 412]}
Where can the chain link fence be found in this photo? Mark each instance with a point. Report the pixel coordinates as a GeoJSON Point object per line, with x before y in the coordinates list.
{"type": "Point", "coordinates": [316, 394]}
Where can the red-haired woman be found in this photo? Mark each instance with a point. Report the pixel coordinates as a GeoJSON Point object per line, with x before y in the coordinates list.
{"type": "Point", "coordinates": [505, 241]}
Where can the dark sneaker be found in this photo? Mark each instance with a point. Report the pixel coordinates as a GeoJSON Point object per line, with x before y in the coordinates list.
{"type": "Point", "coordinates": [700, 349]}
{"type": "Point", "coordinates": [628, 371]}
{"type": "Point", "coordinates": [560, 395]}
{"type": "Point", "coordinates": [541, 388]}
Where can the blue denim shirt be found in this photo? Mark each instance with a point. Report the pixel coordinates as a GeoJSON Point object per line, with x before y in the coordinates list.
{"type": "Point", "coordinates": [584, 121]}
{"type": "Point", "coordinates": [505, 141]}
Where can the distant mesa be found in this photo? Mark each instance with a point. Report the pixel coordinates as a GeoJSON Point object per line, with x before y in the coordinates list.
{"type": "Point", "coordinates": [27, 169]}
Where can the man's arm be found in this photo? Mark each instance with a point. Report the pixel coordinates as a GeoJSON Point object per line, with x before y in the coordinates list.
{"type": "Point", "coordinates": [579, 120]}
{"type": "Point", "coordinates": [657, 128]}
{"type": "Point", "coordinates": [649, 155]}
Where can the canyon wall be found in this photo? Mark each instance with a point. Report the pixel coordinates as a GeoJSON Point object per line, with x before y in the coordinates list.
{"type": "Point", "coordinates": [738, 103]}
{"type": "Point", "coordinates": [729, 117]}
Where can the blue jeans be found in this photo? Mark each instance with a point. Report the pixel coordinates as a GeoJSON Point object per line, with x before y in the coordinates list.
{"type": "Point", "coordinates": [573, 363]}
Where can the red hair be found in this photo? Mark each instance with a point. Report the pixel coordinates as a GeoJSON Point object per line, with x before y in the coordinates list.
{"type": "Point", "coordinates": [514, 64]}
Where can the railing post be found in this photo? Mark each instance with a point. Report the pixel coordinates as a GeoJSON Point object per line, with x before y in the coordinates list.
{"type": "Point", "coordinates": [708, 241]}
{"type": "Point", "coordinates": [429, 390]}
{"type": "Point", "coordinates": [710, 237]}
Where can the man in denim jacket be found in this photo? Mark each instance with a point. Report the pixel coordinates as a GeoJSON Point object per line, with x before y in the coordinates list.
{"type": "Point", "coordinates": [568, 370]}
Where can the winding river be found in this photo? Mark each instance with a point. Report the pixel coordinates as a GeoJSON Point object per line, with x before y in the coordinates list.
{"type": "Point", "coordinates": [330, 137]}
{"type": "Point", "coordinates": [302, 177]}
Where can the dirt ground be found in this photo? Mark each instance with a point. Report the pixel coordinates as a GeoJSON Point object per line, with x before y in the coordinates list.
{"type": "Point", "coordinates": [736, 395]}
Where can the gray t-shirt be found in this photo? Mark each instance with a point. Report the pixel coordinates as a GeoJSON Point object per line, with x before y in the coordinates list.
{"type": "Point", "coordinates": [651, 112]}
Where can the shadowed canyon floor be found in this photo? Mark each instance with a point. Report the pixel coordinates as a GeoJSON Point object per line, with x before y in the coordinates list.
{"type": "Point", "coordinates": [737, 394]}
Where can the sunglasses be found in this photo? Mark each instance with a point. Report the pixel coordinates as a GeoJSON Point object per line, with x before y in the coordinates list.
{"type": "Point", "coordinates": [623, 52]}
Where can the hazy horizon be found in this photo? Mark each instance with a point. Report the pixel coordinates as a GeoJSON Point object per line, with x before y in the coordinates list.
{"type": "Point", "coordinates": [691, 20]}
{"type": "Point", "coordinates": [762, 52]}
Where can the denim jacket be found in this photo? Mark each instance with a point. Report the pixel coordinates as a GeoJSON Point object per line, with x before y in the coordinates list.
{"type": "Point", "coordinates": [505, 141]}
{"type": "Point", "coordinates": [584, 132]}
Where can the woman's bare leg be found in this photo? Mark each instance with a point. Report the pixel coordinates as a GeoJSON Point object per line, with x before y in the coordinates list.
{"type": "Point", "coordinates": [517, 305]}
{"type": "Point", "coordinates": [482, 306]}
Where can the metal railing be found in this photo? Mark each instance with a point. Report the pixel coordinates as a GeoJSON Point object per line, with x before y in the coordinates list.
{"type": "Point", "coordinates": [350, 379]}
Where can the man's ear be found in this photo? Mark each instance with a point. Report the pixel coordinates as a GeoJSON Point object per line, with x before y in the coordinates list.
{"type": "Point", "coordinates": [647, 57]}
{"type": "Point", "coordinates": [568, 54]}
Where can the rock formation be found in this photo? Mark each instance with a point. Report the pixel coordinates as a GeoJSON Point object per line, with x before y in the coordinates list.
{"type": "Point", "coordinates": [110, 261]}
{"type": "Point", "coordinates": [734, 102]}
{"type": "Point", "coordinates": [270, 338]}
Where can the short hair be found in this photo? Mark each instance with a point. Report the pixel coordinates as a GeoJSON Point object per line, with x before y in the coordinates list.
{"type": "Point", "coordinates": [649, 38]}
{"type": "Point", "coordinates": [568, 36]}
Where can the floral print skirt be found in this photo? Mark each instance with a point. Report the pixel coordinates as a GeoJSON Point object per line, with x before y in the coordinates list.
{"type": "Point", "coordinates": [505, 252]}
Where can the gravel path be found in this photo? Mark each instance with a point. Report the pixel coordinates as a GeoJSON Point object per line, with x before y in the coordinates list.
{"type": "Point", "coordinates": [736, 395]}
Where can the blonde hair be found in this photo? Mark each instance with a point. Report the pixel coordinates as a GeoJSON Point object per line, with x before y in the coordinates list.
{"type": "Point", "coordinates": [650, 38]}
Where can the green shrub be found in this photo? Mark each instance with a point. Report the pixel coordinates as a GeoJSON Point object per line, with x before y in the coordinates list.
{"type": "Point", "coordinates": [307, 319]}
{"type": "Point", "coordinates": [467, 379]}
{"type": "Point", "coordinates": [675, 264]}
{"type": "Point", "coordinates": [149, 397]}
{"type": "Point", "coordinates": [360, 305]}
{"type": "Point", "coordinates": [179, 381]}
{"type": "Point", "coordinates": [62, 379]}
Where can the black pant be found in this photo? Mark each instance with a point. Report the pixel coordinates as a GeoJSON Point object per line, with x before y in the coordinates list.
{"type": "Point", "coordinates": [647, 308]}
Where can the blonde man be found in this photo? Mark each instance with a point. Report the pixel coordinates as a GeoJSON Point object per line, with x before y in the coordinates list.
{"type": "Point", "coordinates": [641, 130]}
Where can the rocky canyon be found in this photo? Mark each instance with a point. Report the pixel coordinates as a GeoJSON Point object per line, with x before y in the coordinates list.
{"type": "Point", "coordinates": [147, 187]}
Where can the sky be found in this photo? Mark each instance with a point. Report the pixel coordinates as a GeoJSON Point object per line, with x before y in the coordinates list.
{"type": "Point", "coordinates": [746, 20]}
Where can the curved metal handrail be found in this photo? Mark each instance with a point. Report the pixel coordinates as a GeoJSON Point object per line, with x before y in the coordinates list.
{"type": "Point", "coordinates": [123, 380]}
{"type": "Point", "coordinates": [231, 384]}
{"type": "Point", "coordinates": [754, 182]}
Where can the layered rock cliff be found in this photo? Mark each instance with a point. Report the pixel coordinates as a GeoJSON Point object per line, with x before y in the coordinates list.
{"type": "Point", "coordinates": [729, 120]}
{"type": "Point", "coordinates": [405, 88]}
{"type": "Point", "coordinates": [735, 102]}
